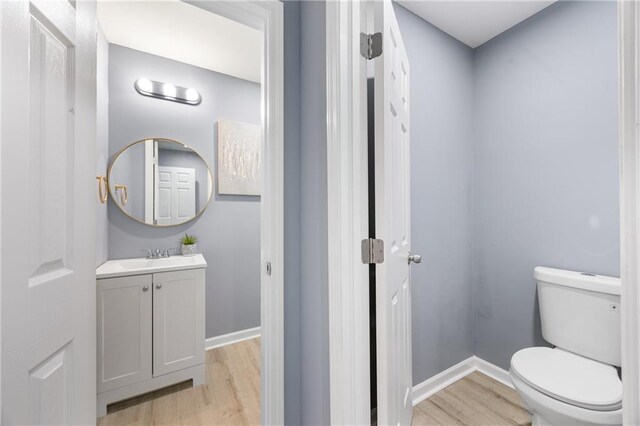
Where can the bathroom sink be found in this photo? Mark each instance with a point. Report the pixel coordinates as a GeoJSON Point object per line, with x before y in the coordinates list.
{"type": "Point", "coordinates": [138, 266]}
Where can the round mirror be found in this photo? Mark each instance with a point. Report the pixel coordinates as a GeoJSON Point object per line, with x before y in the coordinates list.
{"type": "Point", "coordinates": [160, 182]}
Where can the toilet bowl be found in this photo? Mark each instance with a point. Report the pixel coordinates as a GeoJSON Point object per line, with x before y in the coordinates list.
{"type": "Point", "coordinates": [576, 383]}
{"type": "Point", "coordinates": [562, 388]}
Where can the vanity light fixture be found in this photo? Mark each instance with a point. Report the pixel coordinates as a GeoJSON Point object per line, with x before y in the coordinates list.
{"type": "Point", "coordinates": [167, 91]}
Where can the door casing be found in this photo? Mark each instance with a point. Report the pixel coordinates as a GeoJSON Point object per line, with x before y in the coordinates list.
{"type": "Point", "coordinates": [629, 94]}
{"type": "Point", "coordinates": [347, 171]}
{"type": "Point", "coordinates": [347, 216]}
{"type": "Point", "coordinates": [267, 17]}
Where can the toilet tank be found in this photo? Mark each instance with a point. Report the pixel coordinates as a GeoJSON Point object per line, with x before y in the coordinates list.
{"type": "Point", "coordinates": [581, 313]}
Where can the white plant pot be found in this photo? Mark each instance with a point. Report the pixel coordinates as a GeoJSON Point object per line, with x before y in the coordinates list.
{"type": "Point", "coordinates": [189, 250]}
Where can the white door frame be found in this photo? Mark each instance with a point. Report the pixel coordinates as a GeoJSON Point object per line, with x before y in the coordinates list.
{"type": "Point", "coordinates": [629, 45]}
{"type": "Point", "coordinates": [267, 16]}
{"type": "Point", "coordinates": [347, 186]}
{"type": "Point", "coordinates": [150, 155]}
{"type": "Point", "coordinates": [1, 142]}
{"type": "Point", "coordinates": [348, 286]}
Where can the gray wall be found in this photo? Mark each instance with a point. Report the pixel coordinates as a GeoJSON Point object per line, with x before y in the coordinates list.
{"type": "Point", "coordinates": [514, 164]}
{"type": "Point", "coordinates": [102, 143]}
{"type": "Point", "coordinates": [441, 85]}
{"type": "Point", "coordinates": [546, 165]}
{"type": "Point", "coordinates": [313, 216]}
{"type": "Point", "coordinates": [229, 230]}
{"type": "Point", "coordinates": [292, 319]}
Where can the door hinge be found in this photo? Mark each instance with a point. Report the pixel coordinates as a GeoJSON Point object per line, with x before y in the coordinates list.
{"type": "Point", "coordinates": [372, 251]}
{"type": "Point", "coordinates": [370, 45]}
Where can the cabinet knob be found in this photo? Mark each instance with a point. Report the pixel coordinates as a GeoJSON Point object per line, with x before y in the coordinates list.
{"type": "Point", "coordinates": [158, 286]}
{"type": "Point", "coordinates": [145, 288]}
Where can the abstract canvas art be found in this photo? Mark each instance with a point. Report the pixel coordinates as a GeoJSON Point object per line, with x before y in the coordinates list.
{"type": "Point", "coordinates": [239, 158]}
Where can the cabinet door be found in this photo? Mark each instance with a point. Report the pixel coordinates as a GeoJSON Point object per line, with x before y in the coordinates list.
{"type": "Point", "coordinates": [124, 331]}
{"type": "Point", "coordinates": [178, 320]}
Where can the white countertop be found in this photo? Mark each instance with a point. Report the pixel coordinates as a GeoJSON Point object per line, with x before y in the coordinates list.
{"type": "Point", "coordinates": [139, 266]}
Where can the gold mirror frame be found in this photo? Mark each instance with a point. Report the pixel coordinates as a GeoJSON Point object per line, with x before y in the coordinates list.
{"type": "Point", "coordinates": [114, 196]}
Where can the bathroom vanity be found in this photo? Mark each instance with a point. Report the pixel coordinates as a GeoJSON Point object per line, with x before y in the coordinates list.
{"type": "Point", "coordinates": [151, 318]}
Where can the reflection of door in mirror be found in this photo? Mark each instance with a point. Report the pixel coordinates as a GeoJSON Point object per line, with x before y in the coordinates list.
{"type": "Point", "coordinates": [150, 155]}
{"type": "Point", "coordinates": [171, 192]}
{"type": "Point", "coordinates": [175, 195]}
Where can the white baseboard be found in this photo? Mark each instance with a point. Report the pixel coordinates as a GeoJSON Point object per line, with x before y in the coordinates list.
{"type": "Point", "coordinates": [493, 371]}
{"type": "Point", "coordinates": [228, 339]}
{"type": "Point", "coordinates": [434, 384]}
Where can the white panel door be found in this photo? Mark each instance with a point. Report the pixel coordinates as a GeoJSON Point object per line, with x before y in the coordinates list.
{"type": "Point", "coordinates": [124, 331]}
{"type": "Point", "coordinates": [175, 195]}
{"type": "Point", "coordinates": [392, 199]}
{"type": "Point", "coordinates": [178, 320]}
{"type": "Point", "coordinates": [48, 213]}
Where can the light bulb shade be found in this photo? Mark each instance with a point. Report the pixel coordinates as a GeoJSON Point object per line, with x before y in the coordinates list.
{"type": "Point", "coordinates": [167, 91]}
{"type": "Point", "coordinates": [192, 94]}
{"type": "Point", "coordinates": [145, 84]}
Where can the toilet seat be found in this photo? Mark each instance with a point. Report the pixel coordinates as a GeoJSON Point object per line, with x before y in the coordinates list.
{"type": "Point", "coordinates": [570, 378]}
{"type": "Point", "coordinates": [547, 411]}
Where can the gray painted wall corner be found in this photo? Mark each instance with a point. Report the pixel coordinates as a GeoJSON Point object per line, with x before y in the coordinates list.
{"type": "Point", "coordinates": [441, 84]}
{"type": "Point", "coordinates": [535, 109]}
{"type": "Point", "coordinates": [546, 165]}
{"type": "Point", "coordinates": [313, 216]}
{"type": "Point", "coordinates": [292, 326]}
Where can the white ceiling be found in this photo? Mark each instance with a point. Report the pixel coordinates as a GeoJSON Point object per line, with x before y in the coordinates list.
{"type": "Point", "coordinates": [475, 22]}
{"type": "Point", "coordinates": [185, 33]}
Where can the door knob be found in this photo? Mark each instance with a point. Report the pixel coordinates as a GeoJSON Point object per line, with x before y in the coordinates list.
{"type": "Point", "coordinates": [415, 258]}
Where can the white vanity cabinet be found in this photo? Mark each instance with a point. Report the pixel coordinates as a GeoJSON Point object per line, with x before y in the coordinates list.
{"type": "Point", "coordinates": [151, 318]}
{"type": "Point", "coordinates": [178, 320]}
{"type": "Point", "coordinates": [124, 331]}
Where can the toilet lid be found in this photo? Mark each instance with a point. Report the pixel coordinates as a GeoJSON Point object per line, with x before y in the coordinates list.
{"type": "Point", "coordinates": [570, 378]}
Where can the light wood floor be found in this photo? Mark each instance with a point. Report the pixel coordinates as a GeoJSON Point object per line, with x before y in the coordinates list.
{"type": "Point", "coordinates": [474, 400]}
{"type": "Point", "coordinates": [231, 395]}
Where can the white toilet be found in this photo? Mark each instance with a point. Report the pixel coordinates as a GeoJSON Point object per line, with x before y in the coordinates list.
{"type": "Point", "coordinates": [577, 382]}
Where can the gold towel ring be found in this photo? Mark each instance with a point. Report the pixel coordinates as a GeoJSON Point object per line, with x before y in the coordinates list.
{"type": "Point", "coordinates": [124, 194]}
{"type": "Point", "coordinates": [103, 192]}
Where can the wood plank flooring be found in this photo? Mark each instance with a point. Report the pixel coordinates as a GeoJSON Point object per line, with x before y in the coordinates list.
{"type": "Point", "coordinates": [474, 400]}
{"type": "Point", "coordinates": [231, 395]}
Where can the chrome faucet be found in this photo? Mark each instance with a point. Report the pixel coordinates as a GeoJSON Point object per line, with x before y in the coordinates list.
{"type": "Point", "coordinates": [157, 253]}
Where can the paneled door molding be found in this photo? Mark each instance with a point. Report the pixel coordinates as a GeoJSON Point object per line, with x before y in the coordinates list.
{"type": "Point", "coordinates": [629, 19]}
{"type": "Point", "coordinates": [47, 109]}
{"type": "Point", "coordinates": [267, 16]}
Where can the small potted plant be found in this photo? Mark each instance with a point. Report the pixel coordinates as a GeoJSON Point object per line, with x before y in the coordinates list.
{"type": "Point", "coordinates": [189, 245]}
